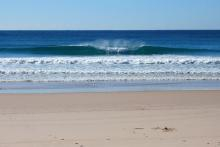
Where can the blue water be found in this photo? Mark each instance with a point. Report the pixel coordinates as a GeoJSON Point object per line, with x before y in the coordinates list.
{"type": "Point", "coordinates": [173, 39]}
{"type": "Point", "coordinates": [80, 56]}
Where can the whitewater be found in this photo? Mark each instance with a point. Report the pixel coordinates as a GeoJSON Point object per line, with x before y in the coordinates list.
{"type": "Point", "coordinates": [75, 56]}
{"type": "Point", "coordinates": [104, 68]}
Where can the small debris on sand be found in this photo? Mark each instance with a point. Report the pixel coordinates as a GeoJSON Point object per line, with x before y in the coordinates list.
{"type": "Point", "coordinates": [165, 129]}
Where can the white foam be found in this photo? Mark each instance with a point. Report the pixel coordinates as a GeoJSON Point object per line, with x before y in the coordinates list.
{"type": "Point", "coordinates": [158, 67]}
{"type": "Point", "coordinates": [157, 59]}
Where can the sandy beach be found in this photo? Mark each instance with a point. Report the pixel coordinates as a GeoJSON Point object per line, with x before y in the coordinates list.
{"type": "Point", "coordinates": [126, 119]}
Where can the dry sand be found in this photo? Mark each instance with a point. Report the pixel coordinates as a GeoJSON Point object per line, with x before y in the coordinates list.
{"type": "Point", "coordinates": [127, 119]}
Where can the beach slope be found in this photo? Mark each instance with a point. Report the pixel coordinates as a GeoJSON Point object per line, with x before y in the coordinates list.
{"type": "Point", "coordinates": [123, 119]}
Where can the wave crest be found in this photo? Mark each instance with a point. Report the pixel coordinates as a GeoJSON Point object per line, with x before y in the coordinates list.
{"type": "Point", "coordinates": [116, 45]}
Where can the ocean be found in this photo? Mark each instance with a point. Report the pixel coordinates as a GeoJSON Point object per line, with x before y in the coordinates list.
{"type": "Point", "coordinates": [109, 56]}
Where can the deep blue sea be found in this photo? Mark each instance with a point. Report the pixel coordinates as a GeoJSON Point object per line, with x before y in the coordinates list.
{"type": "Point", "coordinates": [73, 56]}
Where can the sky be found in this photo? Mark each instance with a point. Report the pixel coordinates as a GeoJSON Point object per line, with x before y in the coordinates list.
{"type": "Point", "coordinates": [109, 14]}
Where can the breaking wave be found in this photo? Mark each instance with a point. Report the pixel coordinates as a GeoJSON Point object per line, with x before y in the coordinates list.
{"type": "Point", "coordinates": [105, 47]}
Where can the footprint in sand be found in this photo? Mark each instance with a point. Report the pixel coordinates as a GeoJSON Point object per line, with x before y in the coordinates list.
{"type": "Point", "coordinates": [139, 128]}
{"type": "Point", "coordinates": [108, 139]}
{"type": "Point", "coordinates": [140, 131]}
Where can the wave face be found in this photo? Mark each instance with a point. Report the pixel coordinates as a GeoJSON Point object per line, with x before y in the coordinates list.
{"type": "Point", "coordinates": [92, 51]}
{"type": "Point", "coordinates": [104, 68]}
{"type": "Point", "coordinates": [105, 47]}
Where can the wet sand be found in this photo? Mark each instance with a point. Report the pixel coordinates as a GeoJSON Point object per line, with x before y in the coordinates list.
{"type": "Point", "coordinates": [122, 119]}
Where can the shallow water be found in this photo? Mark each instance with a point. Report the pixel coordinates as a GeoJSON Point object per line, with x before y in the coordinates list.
{"type": "Point", "coordinates": [103, 86]}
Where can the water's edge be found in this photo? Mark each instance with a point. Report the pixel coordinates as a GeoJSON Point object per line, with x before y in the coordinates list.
{"type": "Point", "coordinates": [106, 86]}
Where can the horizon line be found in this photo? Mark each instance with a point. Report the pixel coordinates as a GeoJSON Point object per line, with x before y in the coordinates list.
{"type": "Point", "coordinates": [109, 29]}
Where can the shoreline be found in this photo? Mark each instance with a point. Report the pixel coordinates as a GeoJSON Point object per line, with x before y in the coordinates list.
{"type": "Point", "coordinates": [118, 119]}
{"type": "Point", "coordinates": [107, 86]}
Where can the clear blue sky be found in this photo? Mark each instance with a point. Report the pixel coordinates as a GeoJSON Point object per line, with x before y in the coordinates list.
{"type": "Point", "coordinates": [109, 14]}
